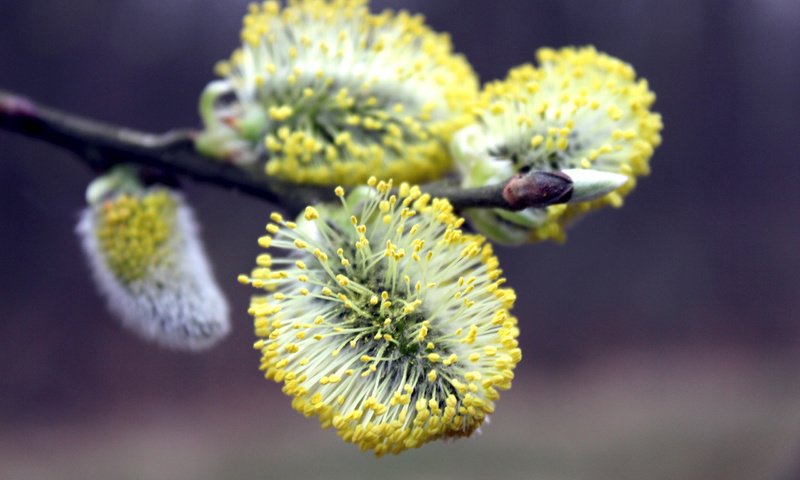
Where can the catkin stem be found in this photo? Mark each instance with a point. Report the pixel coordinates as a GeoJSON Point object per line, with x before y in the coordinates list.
{"type": "Point", "coordinates": [172, 154]}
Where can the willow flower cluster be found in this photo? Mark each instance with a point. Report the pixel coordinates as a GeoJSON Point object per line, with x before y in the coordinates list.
{"type": "Point", "coordinates": [147, 259]}
{"type": "Point", "coordinates": [377, 313]}
{"type": "Point", "coordinates": [580, 109]}
{"type": "Point", "coordinates": [383, 319]}
{"type": "Point", "coordinates": [329, 93]}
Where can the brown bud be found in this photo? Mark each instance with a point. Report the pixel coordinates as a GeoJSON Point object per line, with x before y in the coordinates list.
{"type": "Point", "coordinates": [537, 189]}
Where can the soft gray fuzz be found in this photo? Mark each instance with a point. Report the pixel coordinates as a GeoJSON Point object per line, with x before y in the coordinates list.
{"type": "Point", "coordinates": [178, 303]}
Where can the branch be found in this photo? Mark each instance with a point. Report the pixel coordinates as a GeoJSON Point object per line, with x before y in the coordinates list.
{"type": "Point", "coordinates": [102, 146]}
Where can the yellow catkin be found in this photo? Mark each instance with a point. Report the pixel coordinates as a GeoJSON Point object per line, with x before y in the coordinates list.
{"type": "Point", "coordinates": [388, 350]}
{"type": "Point", "coordinates": [132, 232]}
{"type": "Point", "coordinates": [581, 109]}
{"type": "Point", "coordinates": [347, 93]}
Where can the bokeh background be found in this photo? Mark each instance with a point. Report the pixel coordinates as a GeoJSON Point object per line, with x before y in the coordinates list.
{"type": "Point", "coordinates": [660, 342]}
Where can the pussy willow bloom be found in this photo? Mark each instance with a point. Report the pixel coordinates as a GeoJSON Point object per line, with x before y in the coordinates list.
{"type": "Point", "coordinates": [147, 259]}
{"type": "Point", "coordinates": [580, 109]}
{"type": "Point", "coordinates": [385, 320]}
{"type": "Point", "coordinates": [330, 93]}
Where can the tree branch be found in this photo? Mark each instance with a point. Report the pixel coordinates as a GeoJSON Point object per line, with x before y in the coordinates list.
{"type": "Point", "coordinates": [102, 146]}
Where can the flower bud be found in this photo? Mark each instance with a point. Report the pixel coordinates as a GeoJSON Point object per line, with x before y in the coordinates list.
{"type": "Point", "coordinates": [147, 260]}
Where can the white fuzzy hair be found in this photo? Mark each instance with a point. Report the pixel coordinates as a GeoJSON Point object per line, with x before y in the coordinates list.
{"type": "Point", "coordinates": [177, 303]}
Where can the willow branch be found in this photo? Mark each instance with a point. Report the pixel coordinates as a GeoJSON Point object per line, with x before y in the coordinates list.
{"type": "Point", "coordinates": [101, 146]}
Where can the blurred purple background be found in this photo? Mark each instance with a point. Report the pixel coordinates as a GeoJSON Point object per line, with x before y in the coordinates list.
{"type": "Point", "coordinates": [661, 341]}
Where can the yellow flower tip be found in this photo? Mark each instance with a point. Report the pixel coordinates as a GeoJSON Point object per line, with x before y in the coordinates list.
{"type": "Point", "coordinates": [281, 113]}
{"type": "Point", "coordinates": [311, 213]}
{"type": "Point", "coordinates": [400, 366]}
{"type": "Point", "coordinates": [265, 241]}
{"type": "Point", "coordinates": [391, 92]}
{"type": "Point", "coordinates": [578, 109]}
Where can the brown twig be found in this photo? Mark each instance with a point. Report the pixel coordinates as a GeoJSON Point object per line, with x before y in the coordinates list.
{"type": "Point", "coordinates": [102, 146]}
